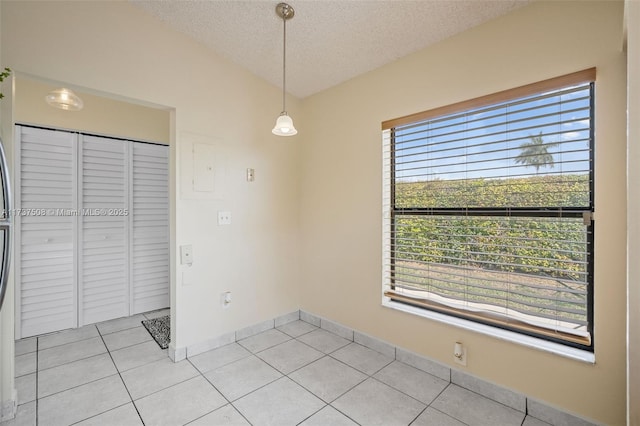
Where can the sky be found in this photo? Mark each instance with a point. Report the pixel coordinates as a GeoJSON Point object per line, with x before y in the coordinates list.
{"type": "Point", "coordinates": [484, 142]}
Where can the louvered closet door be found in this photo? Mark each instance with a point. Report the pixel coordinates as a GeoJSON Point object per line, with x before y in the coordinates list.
{"type": "Point", "coordinates": [45, 257]}
{"type": "Point", "coordinates": [104, 263]}
{"type": "Point", "coordinates": [149, 227]}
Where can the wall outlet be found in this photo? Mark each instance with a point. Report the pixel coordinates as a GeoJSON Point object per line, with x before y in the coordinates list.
{"type": "Point", "coordinates": [224, 218]}
{"type": "Point", "coordinates": [459, 354]}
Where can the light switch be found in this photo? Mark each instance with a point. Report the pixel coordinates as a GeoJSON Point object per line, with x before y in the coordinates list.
{"type": "Point", "coordinates": [186, 254]}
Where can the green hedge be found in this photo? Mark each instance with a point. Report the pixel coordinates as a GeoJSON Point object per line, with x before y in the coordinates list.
{"type": "Point", "coordinates": [549, 247]}
{"type": "Point", "coordinates": [548, 190]}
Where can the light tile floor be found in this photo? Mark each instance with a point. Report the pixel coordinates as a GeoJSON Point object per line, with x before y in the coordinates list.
{"type": "Point", "coordinates": [113, 373]}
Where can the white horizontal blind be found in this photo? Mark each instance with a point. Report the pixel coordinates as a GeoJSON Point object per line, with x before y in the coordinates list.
{"type": "Point", "coordinates": [46, 243]}
{"type": "Point", "coordinates": [149, 227]}
{"type": "Point", "coordinates": [484, 213]}
{"type": "Point", "coordinates": [104, 250]}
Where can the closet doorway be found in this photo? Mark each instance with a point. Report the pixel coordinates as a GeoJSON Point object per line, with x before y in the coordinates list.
{"type": "Point", "coordinates": [92, 228]}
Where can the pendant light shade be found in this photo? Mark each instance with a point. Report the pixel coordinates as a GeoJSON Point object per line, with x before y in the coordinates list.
{"type": "Point", "coordinates": [64, 99]}
{"type": "Point", "coordinates": [284, 126]}
{"type": "Point", "coordinates": [284, 123]}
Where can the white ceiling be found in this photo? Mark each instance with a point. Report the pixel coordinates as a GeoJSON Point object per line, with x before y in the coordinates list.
{"type": "Point", "coordinates": [328, 41]}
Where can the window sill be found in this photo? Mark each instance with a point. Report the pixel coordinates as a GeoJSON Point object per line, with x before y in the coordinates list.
{"type": "Point", "coordinates": [498, 333]}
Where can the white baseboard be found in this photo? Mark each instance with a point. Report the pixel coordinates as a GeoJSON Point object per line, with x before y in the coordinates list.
{"type": "Point", "coordinates": [177, 354]}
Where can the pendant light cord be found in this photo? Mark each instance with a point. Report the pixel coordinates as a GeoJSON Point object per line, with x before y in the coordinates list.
{"type": "Point", "coordinates": [284, 63]}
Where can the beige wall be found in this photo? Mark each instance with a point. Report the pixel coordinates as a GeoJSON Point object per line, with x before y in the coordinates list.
{"type": "Point", "coordinates": [116, 49]}
{"type": "Point", "coordinates": [632, 19]}
{"type": "Point", "coordinates": [100, 115]}
{"type": "Point", "coordinates": [341, 193]}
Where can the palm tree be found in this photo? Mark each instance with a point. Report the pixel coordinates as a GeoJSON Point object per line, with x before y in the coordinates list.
{"type": "Point", "coordinates": [535, 153]}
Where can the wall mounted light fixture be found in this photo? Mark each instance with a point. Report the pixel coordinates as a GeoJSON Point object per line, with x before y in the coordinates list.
{"type": "Point", "coordinates": [284, 123]}
{"type": "Point", "coordinates": [64, 99]}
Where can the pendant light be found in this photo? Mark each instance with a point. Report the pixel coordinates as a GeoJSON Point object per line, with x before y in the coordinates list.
{"type": "Point", "coordinates": [284, 123]}
{"type": "Point", "coordinates": [64, 99]}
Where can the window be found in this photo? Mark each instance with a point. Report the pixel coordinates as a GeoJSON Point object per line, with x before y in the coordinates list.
{"type": "Point", "coordinates": [488, 210]}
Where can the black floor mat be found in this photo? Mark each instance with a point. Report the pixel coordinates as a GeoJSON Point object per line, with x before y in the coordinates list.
{"type": "Point", "coordinates": [160, 330]}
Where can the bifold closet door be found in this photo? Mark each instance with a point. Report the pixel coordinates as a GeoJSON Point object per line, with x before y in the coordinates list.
{"type": "Point", "coordinates": [149, 227]}
{"type": "Point", "coordinates": [45, 247]}
{"type": "Point", "coordinates": [92, 221]}
{"type": "Point", "coordinates": [103, 245]}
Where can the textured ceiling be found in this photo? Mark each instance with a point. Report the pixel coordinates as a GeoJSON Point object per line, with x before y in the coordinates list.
{"type": "Point", "coordinates": [328, 42]}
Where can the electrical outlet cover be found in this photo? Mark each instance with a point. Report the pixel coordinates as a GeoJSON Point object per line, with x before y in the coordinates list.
{"type": "Point", "coordinates": [462, 360]}
{"type": "Point", "coordinates": [224, 218]}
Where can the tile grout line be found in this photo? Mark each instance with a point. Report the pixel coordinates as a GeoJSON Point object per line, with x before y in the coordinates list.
{"type": "Point", "coordinates": [325, 353]}
{"type": "Point", "coordinates": [306, 344]}
{"type": "Point", "coordinates": [221, 394]}
{"type": "Point", "coordinates": [315, 412]}
{"type": "Point", "coordinates": [249, 393]}
{"type": "Point", "coordinates": [75, 360]}
{"type": "Point", "coordinates": [363, 372]}
{"type": "Point", "coordinates": [67, 330]}
{"type": "Point", "coordinates": [100, 334]}
{"type": "Point", "coordinates": [404, 393]}
{"type": "Point", "coordinates": [438, 396]}
{"type": "Point", "coordinates": [25, 354]}
{"type": "Point", "coordinates": [419, 414]}
{"type": "Point", "coordinates": [77, 386]}
{"type": "Point", "coordinates": [447, 414]}
{"type": "Point", "coordinates": [129, 346]}
{"type": "Point", "coordinates": [99, 414]}
{"type": "Point", "coordinates": [340, 395]}
{"type": "Point", "coordinates": [490, 399]}
{"type": "Point", "coordinates": [159, 390]}
{"type": "Point", "coordinates": [258, 388]}
{"type": "Point", "coordinates": [264, 349]}
{"type": "Point", "coordinates": [300, 335]}
{"type": "Point", "coordinates": [347, 416]}
{"type": "Point", "coordinates": [265, 385]}
{"type": "Point", "coordinates": [121, 379]}
{"type": "Point", "coordinates": [118, 331]}
{"type": "Point", "coordinates": [222, 365]}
